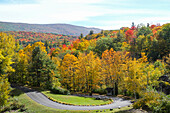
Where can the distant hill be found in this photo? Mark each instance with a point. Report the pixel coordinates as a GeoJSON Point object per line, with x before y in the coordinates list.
{"type": "Point", "coordinates": [65, 29]}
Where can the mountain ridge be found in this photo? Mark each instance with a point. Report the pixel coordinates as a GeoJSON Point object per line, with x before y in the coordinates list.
{"type": "Point", "coordinates": [59, 28]}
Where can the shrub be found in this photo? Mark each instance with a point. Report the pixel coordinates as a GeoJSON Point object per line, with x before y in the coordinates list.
{"type": "Point", "coordinates": [100, 91]}
{"type": "Point", "coordinates": [59, 90]}
{"type": "Point", "coordinates": [154, 101]}
{"type": "Point", "coordinates": [163, 107]}
{"type": "Point", "coordinates": [14, 105]}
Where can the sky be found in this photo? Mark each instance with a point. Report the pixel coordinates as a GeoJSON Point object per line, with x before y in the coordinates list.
{"type": "Point", "coordinates": [104, 14]}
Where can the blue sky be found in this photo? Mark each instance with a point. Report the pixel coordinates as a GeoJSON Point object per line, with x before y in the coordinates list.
{"type": "Point", "coordinates": [105, 14]}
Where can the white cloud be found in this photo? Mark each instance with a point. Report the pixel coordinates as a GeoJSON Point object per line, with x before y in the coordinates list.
{"type": "Point", "coordinates": [68, 11]}
{"type": "Point", "coordinates": [50, 11]}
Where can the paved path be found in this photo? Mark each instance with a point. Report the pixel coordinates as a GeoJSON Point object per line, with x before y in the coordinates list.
{"type": "Point", "coordinates": [43, 100]}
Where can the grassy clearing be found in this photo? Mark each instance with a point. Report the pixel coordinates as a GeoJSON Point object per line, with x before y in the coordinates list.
{"type": "Point", "coordinates": [75, 99]}
{"type": "Point", "coordinates": [33, 107]}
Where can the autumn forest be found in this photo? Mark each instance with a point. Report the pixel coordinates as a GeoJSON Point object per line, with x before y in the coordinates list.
{"type": "Point", "coordinates": [130, 60]}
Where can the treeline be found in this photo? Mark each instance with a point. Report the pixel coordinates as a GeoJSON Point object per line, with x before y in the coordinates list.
{"type": "Point", "coordinates": [55, 40]}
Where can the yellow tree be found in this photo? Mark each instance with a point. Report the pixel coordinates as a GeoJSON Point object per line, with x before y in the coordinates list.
{"type": "Point", "coordinates": [81, 73]}
{"type": "Point", "coordinates": [89, 72]}
{"type": "Point", "coordinates": [28, 49]}
{"type": "Point", "coordinates": [135, 79]}
{"type": "Point", "coordinates": [83, 45]}
{"type": "Point", "coordinates": [67, 70]}
{"type": "Point", "coordinates": [4, 91]}
{"type": "Point", "coordinates": [7, 49]}
{"type": "Point", "coordinates": [113, 67]}
{"type": "Point", "coordinates": [21, 73]}
{"type": "Point", "coordinates": [7, 53]}
{"type": "Point", "coordinates": [57, 61]}
{"type": "Point", "coordinates": [153, 72]}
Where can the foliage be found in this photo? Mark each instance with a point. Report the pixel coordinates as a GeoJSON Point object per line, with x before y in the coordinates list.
{"type": "Point", "coordinates": [42, 68]}
{"type": "Point", "coordinates": [104, 44]}
{"type": "Point", "coordinates": [100, 91]}
{"type": "Point", "coordinates": [126, 59]}
{"type": "Point", "coordinates": [7, 55]}
{"type": "Point", "coordinates": [59, 90]}
{"type": "Point", "coordinates": [82, 73]}
{"type": "Point", "coordinates": [14, 105]}
{"type": "Point", "coordinates": [4, 90]}
{"type": "Point", "coordinates": [154, 101]}
{"type": "Point", "coordinates": [113, 65]}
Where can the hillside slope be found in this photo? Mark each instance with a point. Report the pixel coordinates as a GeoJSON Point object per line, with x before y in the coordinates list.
{"type": "Point", "coordinates": [65, 29]}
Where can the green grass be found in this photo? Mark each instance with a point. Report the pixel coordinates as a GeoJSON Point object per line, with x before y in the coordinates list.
{"type": "Point", "coordinates": [75, 99]}
{"type": "Point", "coordinates": [34, 107]}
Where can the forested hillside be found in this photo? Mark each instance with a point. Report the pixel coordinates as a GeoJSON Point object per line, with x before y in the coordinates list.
{"type": "Point", "coordinates": [130, 60]}
{"type": "Point", "coordinates": [65, 29]}
{"type": "Point", "coordinates": [26, 38]}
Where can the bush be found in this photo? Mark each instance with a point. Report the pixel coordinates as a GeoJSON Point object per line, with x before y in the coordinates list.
{"type": "Point", "coordinates": [163, 107]}
{"type": "Point", "coordinates": [59, 90]}
{"type": "Point", "coordinates": [100, 91]}
{"type": "Point", "coordinates": [14, 105]}
{"type": "Point", "coordinates": [154, 101]}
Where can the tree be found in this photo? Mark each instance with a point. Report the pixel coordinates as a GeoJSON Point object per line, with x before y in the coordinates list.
{"type": "Point", "coordinates": [133, 24]}
{"type": "Point", "coordinates": [67, 69]}
{"type": "Point", "coordinates": [47, 46]}
{"type": "Point", "coordinates": [129, 33]}
{"type": "Point", "coordinates": [135, 79]}
{"type": "Point", "coordinates": [4, 90]}
{"type": "Point", "coordinates": [82, 74]}
{"type": "Point", "coordinates": [164, 40]}
{"type": "Point", "coordinates": [91, 32]}
{"type": "Point", "coordinates": [89, 68]}
{"type": "Point", "coordinates": [113, 67]}
{"type": "Point", "coordinates": [42, 68]}
{"type": "Point", "coordinates": [81, 36]}
{"type": "Point", "coordinates": [144, 31]}
{"type": "Point", "coordinates": [7, 52]}
{"type": "Point", "coordinates": [21, 69]}
{"type": "Point", "coordinates": [102, 45]}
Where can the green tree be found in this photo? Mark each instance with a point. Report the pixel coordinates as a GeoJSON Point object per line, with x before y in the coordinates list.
{"type": "Point", "coordinates": [91, 32]}
{"type": "Point", "coordinates": [47, 46]}
{"type": "Point", "coordinates": [107, 43]}
{"type": "Point", "coordinates": [42, 68]}
{"type": "Point", "coordinates": [164, 40]}
{"type": "Point", "coordinates": [144, 31]}
{"type": "Point", "coordinates": [81, 36]}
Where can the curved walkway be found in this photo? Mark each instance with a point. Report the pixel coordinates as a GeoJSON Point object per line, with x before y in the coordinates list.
{"type": "Point", "coordinates": [43, 100]}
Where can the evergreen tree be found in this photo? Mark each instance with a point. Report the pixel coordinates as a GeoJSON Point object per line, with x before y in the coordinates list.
{"type": "Point", "coordinates": [133, 24]}
{"type": "Point", "coordinates": [47, 46]}
{"type": "Point", "coordinates": [81, 36]}
{"type": "Point", "coordinates": [42, 68]}
{"type": "Point", "coordinates": [91, 32]}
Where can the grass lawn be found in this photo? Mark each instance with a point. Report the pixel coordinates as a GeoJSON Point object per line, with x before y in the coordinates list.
{"type": "Point", "coordinates": [75, 99]}
{"type": "Point", "coordinates": [34, 107]}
